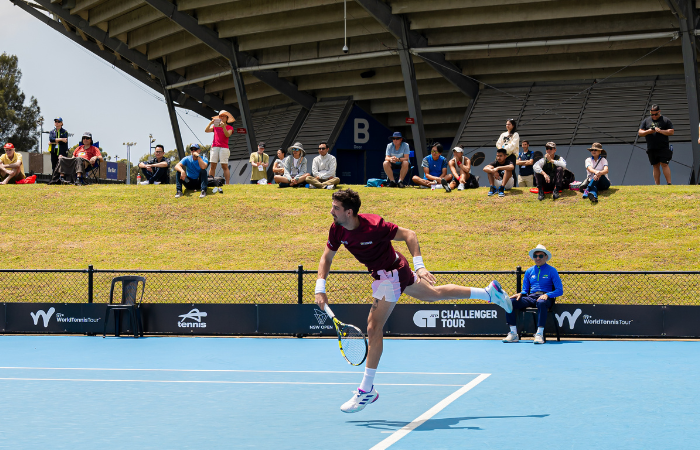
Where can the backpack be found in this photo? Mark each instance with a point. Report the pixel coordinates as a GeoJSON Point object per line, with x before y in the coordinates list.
{"type": "Point", "coordinates": [215, 181]}
{"type": "Point", "coordinates": [376, 182]}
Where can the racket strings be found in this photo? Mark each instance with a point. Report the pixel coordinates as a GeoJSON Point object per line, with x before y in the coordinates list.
{"type": "Point", "coordinates": [353, 343]}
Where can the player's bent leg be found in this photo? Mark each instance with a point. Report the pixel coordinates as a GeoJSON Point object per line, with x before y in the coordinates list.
{"type": "Point", "coordinates": [492, 294]}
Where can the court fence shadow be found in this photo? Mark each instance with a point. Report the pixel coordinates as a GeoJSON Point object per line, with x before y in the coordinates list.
{"type": "Point", "coordinates": [448, 423]}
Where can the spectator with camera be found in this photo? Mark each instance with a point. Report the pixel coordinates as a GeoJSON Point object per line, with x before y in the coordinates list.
{"type": "Point", "coordinates": [541, 286]}
{"type": "Point", "coordinates": [596, 173]}
{"type": "Point", "coordinates": [155, 170]}
{"type": "Point", "coordinates": [500, 173]}
{"type": "Point", "coordinates": [549, 172]}
{"type": "Point", "coordinates": [434, 170]}
{"type": "Point", "coordinates": [58, 141]}
{"type": "Point", "coordinates": [323, 169]}
{"type": "Point", "coordinates": [259, 162]}
{"type": "Point", "coordinates": [656, 129]}
{"type": "Point", "coordinates": [525, 162]}
{"type": "Point", "coordinates": [295, 166]}
{"type": "Point", "coordinates": [11, 165]}
{"type": "Point", "coordinates": [219, 151]}
{"type": "Point", "coordinates": [192, 172]}
{"type": "Point", "coordinates": [397, 154]}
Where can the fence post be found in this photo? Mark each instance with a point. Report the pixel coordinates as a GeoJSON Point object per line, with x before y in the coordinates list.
{"type": "Point", "coordinates": [90, 272]}
{"type": "Point", "coordinates": [300, 285]}
{"type": "Point", "coordinates": [519, 279]}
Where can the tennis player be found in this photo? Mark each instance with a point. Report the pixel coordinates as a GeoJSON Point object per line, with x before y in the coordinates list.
{"type": "Point", "coordinates": [368, 238]}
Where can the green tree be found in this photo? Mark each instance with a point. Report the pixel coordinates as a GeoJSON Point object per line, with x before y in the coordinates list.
{"type": "Point", "coordinates": [18, 122]}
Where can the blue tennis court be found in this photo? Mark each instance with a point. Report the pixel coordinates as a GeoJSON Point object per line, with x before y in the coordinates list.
{"type": "Point", "coordinates": [165, 392]}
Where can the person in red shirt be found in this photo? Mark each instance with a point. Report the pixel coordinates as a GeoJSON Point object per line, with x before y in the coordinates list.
{"type": "Point", "coordinates": [219, 151]}
{"type": "Point", "coordinates": [368, 237]}
{"type": "Point", "coordinates": [84, 156]}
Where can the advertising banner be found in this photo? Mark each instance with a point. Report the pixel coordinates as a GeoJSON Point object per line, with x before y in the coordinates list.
{"type": "Point", "coordinates": [55, 318]}
{"type": "Point", "coordinates": [112, 168]}
{"type": "Point", "coordinates": [203, 319]}
{"type": "Point", "coordinates": [610, 320]}
{"type": "Point", "coordinates": [682, 321]}
{"type": "Point", "coordinates": [441, 319]}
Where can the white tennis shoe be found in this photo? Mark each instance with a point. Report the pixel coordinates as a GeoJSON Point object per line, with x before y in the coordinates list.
{"type": "Point", "coordinates": [359, 400]}
{"type": "Point", "coordinates": [499, 296]}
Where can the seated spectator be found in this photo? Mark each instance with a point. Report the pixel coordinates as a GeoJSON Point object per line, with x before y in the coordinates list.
{"type": "Point", "coordinates": [397, 153]}
{"type": "Point", "coordinates": [155, 170]}
{"type": "Point", "coordinates": [192, 172]}
{"type": "Point", "coordinates": [460, 168]}
{"type": "Point", "coordinates": [596, 174]}
{"type": "Point", "coordinates": [323, 169]}
{"type": "Point", "coordinates": [541, 286]}
{"type": "Point", "coordinates": [84, 157]}
{"type": "Point", "coordinates": [510, 142]}
{"type": "Point", "coordinates": [11, 166]}
{"type": "Point", "coordinates": [278, 164]}
{"type": "Point", "coordinates": [525, 162]}
{"type": "Point", "coordinates": [497, 172]}
{"type": "Point", "coordinates": [259, 161]}
{"type": "Point", "coordinates": [549, 172]}
{"type": "Point", "coordinates": [434, 170]}
{"type": "Point", "coordinates": [295, 173]}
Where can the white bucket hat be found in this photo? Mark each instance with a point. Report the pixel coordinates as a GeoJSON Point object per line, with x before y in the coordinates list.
{"type": "Point", "coordinates": [540, 248]}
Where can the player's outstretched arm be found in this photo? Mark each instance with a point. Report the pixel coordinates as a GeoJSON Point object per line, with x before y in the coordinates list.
{"type": "Point", "coordinates": [324, 266]}
{"type": "Point", "coordinates": [411, 240]}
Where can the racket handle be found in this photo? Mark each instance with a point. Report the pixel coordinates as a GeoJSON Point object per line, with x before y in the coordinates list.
{"type": "Point", "coordinates": [328, 311]}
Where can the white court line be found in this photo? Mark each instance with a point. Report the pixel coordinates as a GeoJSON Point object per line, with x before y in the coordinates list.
{"type": "Point", "coordinates": [391, 440]}
{"type": "Point", "coordinates": [234, 370]}
{"type": "Point", "coordinates": [213, 382]}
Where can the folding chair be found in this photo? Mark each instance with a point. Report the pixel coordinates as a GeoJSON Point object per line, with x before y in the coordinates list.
{"type": "Point", "coordinates": [130, 303]}
{"type": "Point", "coordinates": [533, 310]}
{"type": "Point", "coordinates": [92, 173]}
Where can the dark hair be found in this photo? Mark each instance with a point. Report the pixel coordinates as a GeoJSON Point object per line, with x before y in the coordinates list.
{"type": "Point", "coordinates": [515, 125]}
{"type": "Point", "coordinates": [654, 108]}
{"type": "Point", "coordinates": [502, 150]}
{"type": "Point", "coordinates": [159, 145]}
{"type": "Point", "coordinates": [324, 143]}
{"type": "Point", "coordinates": [438, 146]}
{"type": "Point", "coordinates": [524, 141]}
{"type": "Point", "coordinates": [349, 198]}
{"type": "Point", "coordinates": [283, 150]}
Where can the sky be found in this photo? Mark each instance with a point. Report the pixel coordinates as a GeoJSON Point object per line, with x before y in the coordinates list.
{"type": "Point", "coordinates": [87, 92]}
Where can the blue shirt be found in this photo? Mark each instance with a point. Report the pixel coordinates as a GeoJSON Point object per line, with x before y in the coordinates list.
{"type": "Point", "coordinates": [434, 167]}
{"type": "Point", "coordinates": [192, 166]}
{"type": "Point", "coordinates": [526, 170]}
{"type": "Point", "coordinates": [403, 150]}
{"type": "Point", "coordinates": [543, 279]}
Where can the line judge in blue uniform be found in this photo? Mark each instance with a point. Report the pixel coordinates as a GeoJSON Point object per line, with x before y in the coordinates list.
{"type": "Point", "coordinates": [541, 287]}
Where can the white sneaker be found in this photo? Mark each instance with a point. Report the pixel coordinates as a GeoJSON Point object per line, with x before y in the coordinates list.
{"type": "Point", "coordinates": [359, 400]}
{"type": "Point", "coordinates": [330, 187]}
{"type": "Point", "coordinates": [145, 182]}
{"type": "Point", "coordinates": [499, 296]}
{"type": "Point", "coordinates": [311, 186]}
{"type": "Point", "coordinates": [461, 187]}
{"type": "Point", "coordinates": [213, 191]}
{"type": "Point", "coordinates": [156, 182]}
{"type": "Point", "coordinates": [512, 337]}
{"type": "Point", "coordinates": [539, 339]}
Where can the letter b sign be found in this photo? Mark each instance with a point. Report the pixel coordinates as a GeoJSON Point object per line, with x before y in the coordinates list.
{"type": "Point", "coordinates": [361, 131]}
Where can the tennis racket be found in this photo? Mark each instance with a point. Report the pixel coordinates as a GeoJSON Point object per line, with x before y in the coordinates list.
{"type": "Point", "coordinates": [351, 340]}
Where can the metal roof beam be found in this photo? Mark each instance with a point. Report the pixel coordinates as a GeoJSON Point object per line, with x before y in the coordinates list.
{"type": "Point", "coordinates": [225, 49]}
{"type": "Point", "coordinates": [394, 24]}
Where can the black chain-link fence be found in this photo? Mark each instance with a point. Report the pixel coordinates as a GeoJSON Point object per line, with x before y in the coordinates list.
{"type": "Point", "coordinates": [297, 286]}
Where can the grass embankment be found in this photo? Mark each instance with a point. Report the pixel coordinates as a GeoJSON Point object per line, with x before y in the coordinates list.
{"type": "Point", "coordinates": [264, 227]}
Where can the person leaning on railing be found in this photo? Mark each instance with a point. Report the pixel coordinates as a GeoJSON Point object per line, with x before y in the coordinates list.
{"type": "Point", "coordinates": [541, 286]}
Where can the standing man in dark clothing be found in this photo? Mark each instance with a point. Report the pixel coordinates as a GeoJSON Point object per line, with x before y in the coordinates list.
{"type": "Point", "coordinates": [656, 130]}
{"type": "Point", "coordinates": [58, 140]}
{"type": "Point", "coordinates": [156, 169]}
{"type": "Point", "coordinates": [549, 172]}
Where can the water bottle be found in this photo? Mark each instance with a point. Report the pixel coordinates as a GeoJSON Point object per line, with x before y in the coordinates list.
{"type": "Point", "coordinates": [138, 179]}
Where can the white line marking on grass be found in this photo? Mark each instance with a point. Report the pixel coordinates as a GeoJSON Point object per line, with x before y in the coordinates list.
{"type": "Point", "coordinates": [234, 370]}
{"type": "Point", "coordinates": [391, 440]}
{"type": "Point", "coordinates": [213, 382]}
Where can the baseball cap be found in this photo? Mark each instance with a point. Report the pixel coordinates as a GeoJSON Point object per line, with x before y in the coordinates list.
{"type": "Point", "coordinates": [87, 134]}
{"type": "Point", "coordinates": [194, 147]}
{"type": "Point", "coordinates": [58, 119]}
{"type": "Point", "coordinates": [9, 146]}
{"type": "Point", "coordinates": [261, 144]}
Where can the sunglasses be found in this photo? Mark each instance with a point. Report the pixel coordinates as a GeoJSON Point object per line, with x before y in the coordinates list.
{"type": "Point", "coordinates": [395, 139]}
{"type": "Point", "coordinates": [322, 148]}
{"type": "Point", "coordinates": [539, 255]}
{"type": "Point", "coordinates": [654, 114]}
{"type": "Point", "coordinates": [86, 138]}
{"type": "Point", "coordinates": [57, 121]}
{"type": "Point", "coordinates": [550, 148]}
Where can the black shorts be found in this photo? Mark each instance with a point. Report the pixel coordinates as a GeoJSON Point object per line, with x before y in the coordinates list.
{"type": "Point", "coordinates": [662, 156]}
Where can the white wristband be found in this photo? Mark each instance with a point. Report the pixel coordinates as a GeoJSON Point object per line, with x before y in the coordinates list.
{"type": "Point", "coordinates": [418, 263]}
{"type": "Point", "coordinates": [320, 286]}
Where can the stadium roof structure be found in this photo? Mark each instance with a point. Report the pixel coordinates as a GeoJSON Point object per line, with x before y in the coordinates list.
{"type": "Point", "coordinates": [417, 59]}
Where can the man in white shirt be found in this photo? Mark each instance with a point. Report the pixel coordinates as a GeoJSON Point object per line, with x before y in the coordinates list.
{"type": "Point", "coordinates": [323, 170]}
{"type": "Point", "coordinates": [549, 172]}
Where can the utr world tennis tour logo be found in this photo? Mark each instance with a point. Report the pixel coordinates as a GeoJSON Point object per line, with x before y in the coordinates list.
{"type": "Point", "coordinates": [195, 319]}
{"type": "Point", "coordinates": [450, 318]}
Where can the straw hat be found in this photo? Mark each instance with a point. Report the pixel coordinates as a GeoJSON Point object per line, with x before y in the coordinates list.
{"type": "Point", "coordinates": [228, 114]}
{"type": "Point", "coordinates": [540, 248]}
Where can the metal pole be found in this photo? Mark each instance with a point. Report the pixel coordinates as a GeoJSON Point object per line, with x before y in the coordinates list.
{"type": "Point", "coordinates": [690, 68]}
{"type": "Point", "coordinates": [411, 86]}
{"type": "Point", "coordinates": [246, 117]}
{"type": "Point", "coordinates": [128, 164]}
{"type": "Point", "coordinates": [300, 284]}
{"type": "Point", "coordinates": [519, 279]}
{"type": "Point", "coordinates": [90, 283]}
{"type": "Point", "coordinates": [173, 114]}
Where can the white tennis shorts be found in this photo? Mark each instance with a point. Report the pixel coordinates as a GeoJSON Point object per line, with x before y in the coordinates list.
{"type": "Point", "coordinates": [219, 154]}
{"type": "Point", "coordinates": [388, 286]}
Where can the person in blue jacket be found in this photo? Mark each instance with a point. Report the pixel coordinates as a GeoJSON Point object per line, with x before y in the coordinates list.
{"type": "Point", "coordinates": [541, 287]}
